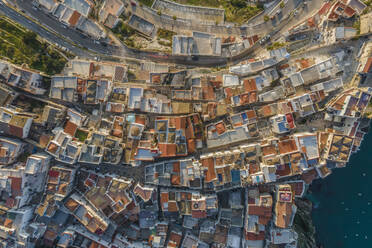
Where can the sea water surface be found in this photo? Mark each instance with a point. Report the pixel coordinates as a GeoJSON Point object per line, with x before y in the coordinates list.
{"type": "Point", "coordinates": [342, 212]}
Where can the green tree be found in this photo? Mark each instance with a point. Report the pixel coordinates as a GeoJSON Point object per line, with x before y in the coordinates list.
{"type": "Point", "coordinates": [239, 3]}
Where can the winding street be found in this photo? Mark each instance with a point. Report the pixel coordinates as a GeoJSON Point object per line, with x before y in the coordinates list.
{"type": "Point", "coordinates": [57, 33]}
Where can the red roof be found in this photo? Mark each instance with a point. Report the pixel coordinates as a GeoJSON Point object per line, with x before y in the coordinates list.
{"type": "Point", "coordinates": [70, 128]}
{"type": "Point", "coordinates": [199, 214]}
{"type": "Point", "coordinates": [16, 131]}
{"type": "Point", "coordinates": [220, 128]}
{"type": "Point", "coordinates": [250, 85]}
{"type": "Point", "coordinates": [260, 211]}
{"type": "Point", "coordinates": [298, 188]}
{"type": "Point", "coordinates": [210, 174]}
{"type": "Point", "coordinates": [290, 121]}
{"type": "Point", "coordinates": [368, 66]}
{"type": "Point", "coordinates": [16, 185]}
{"type": "Point", "coordinates": [324, 9]}
{"type": "Point", "coordinates": [74, 18]}
{"type": "Point", "coordinates": [53, 173]}
{"type": "Point", "coordinates": [309, 176]}
{"type": "Point", "coordinates": [349, 12]}
{"type": "Point", "coordinates": [254, 236]}
{"type": "Point", "coordinates": [167, 150]}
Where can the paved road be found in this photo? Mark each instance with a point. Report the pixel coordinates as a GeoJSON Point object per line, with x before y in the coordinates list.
{"type": "Point", "coordinates": [92, 47]}
{"type": "Point", "coordinates": [56, 30]}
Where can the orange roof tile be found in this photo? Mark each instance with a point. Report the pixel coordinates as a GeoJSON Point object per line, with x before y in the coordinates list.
{"type": "Point", "coordinates": [16, 186]}
{"type": "Point", "coordinates": [368, 66]}
{"type": "Point", "coordinates": [266, 110]}
{"type": "Point", "coordinates": [74, 18]}
{"type": "Point", "coordinates": [164, 197]}
{"type": "Point", "coordinates": [251, 114]}
{"type": "Point", "coordinates": [283, 212]}
{"type": "Point", "coordinates": [349, 12]}
{"type": "Point", "coordinates": [191, 145]}
{"type": "Point", "coordinates": [220, 128]}
{"type": "Point", "coordinates": [260, 211]}
{"type": "Point", "coordinates": [175, 180]}
{"type": "Point", "coordinates": [309, 176]}
{"type": "Point", "coordinates": [324, 9]}
{"type": "Point", "coordinates": [287, 146]}
{"type": "Point", "coordinates": [70, 128]}
{"type": "Point", "coordinates": [140, 119]}
{"type": "Point", "coordinates": [254, 236]}
{"type": "Point", "coordinates": [172, 206]}
{"type": "Point", "coordinates": [210, 174]}
{"type": "Point", "coordinates": [250, 85]}
{"type": "Point", "coordinates": [269, 150]}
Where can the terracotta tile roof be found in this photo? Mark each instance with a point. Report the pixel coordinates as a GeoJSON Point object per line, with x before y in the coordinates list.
{"type": "Point", "coordinates": [324, 9]}
{"type": "Point", "coordinates": [180, 122]}
{"type": "Point", "coordinates": [210, 173]}
{"type": "Point", "coordinates": [254, 236]}
{"type": "Point", "coordinates": [269, 150]}
{"type": "Point", "coordinates": [167, 150]}
{"type": "Point", "coordinates": [208, 93]}
{"type": "Point", "coordinates": [284, 66]}
{"type": "Point", "coordinates": [220, 128]}
{"type": "Point", "coordinates": [175, 180]}
{"type": "Point", "coordinates": [266, 110]}
{"type": "Point", "coordinates": [297, 188]}
{"type": "Point", "coordinates": [283, 170]}
{"type": "Point", "coordinates": [71, 204]}
{"type": "Point", "coordinates": [8, 223]}
{"type": "Point", "coordinates": [199, 214]}
{"type": "Point", "coordinates": [191, 145]}
{"type": "Point", "coordinates": [260, 211]}
{"type": "Point", "coordinates": [10, 202]}
{"type": "Point", "coordinates": [74, 18]}
{"type": "Point", "coordinates": [251, 114]}
{"type": "Point", "coordinates": [349, 12]}
{"type": "Point", "coordinates": [250, 85]}
{"type": "Point", "coordinates": [164, 197]}
{"type": "Point", "coordinates": [311, 22]}
{"type": "Point", "coordinates": [70, 128]}
{"type": "Point", "coordinates": [140, 119]}
{"type": "Point", "coordinates": [175, 238]}
{"type": "Point", "coordinates": [368, 66]}
{"type": "Point", "coordinates": [172, 206]}
{"type": "Point", "coordinates": [309, 176]}
{"type": "Point", "coordinates": [263, 220]}
{"type": "Point", "coordinates": [287, 146]}
{"type": "Point", "coordinates": [16, 186]}
{"type": "Point", "coordinates": [283, 214]}
{"type": "Point", "coordinates": [156, 79]}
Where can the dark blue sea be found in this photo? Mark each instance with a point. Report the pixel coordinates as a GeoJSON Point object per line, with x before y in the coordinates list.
{"type": "Point", "coordinates": [342, 212]}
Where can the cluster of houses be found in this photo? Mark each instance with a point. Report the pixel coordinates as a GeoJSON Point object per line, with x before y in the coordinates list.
{"type": "Point", "coordinates": [217, 158]}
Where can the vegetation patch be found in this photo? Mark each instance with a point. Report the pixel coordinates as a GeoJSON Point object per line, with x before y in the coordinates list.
{"type": "Point", "coordinates": [146, 2]}
{"type": "Point", "coordinates": [23, 47]}
{"type": "Point", "coordinates": [81, 135]}
{"type": "Point", "coordinates": [356, 25]}
{"type": "Point", "coordinates": [369, 6]}
{"type": "Point", "coordinates": [123, 31]}
{"type": "Point", "coordinates": [165, 34]}
{"type": "Point", "coordinates": [276, 45]}
{"type": "Point", "coordinates": [238, 11]}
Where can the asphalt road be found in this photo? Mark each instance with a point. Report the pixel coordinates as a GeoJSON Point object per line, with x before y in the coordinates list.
{"type": "Point", "coordinates": [92, 48]}
{"type": "Point", "coordinates": [58, 33]}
